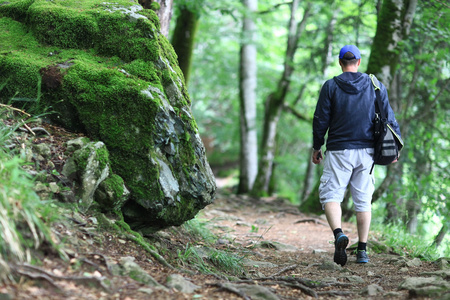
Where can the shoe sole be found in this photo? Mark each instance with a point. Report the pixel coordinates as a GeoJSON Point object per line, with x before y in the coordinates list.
{"type": "Point", "coordinates": [340, 257]}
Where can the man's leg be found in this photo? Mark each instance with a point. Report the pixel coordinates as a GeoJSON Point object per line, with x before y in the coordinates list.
{"type": "Point", "coordinates": [363, 224]}
{"type": "Point", "coordinates": [333, 212]}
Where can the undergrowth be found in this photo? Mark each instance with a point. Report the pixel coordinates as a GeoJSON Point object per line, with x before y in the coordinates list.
{"type": "Point", "coordinates": [404, 243]}
{"type": "Point", "coordinates": [24, 217]}
{"type": "Point", "coordinates": [202, 254]}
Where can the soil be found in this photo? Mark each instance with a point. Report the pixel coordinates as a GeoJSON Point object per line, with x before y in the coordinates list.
{"type": "Point", "coordinates": [248, 228]}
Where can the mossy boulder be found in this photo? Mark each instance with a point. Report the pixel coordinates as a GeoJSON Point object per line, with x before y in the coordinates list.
{"type": "Point", "coordinates": [107, 71]}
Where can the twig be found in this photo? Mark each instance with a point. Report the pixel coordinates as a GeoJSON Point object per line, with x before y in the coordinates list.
{"type": "Point", "coordinates": [288, 268]}
{"type": "Point", "coordinates": [311, 220]}
{"type": "Point", "coordinates": [16, 109]}
{"type": "Point", "coordinates": [36, 129]}
{"type": "Point", "coordinates": [28, 128]}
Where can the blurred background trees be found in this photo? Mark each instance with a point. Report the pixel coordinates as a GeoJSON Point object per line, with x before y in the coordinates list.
{"type": "Point", "coordinates": [405, 43]}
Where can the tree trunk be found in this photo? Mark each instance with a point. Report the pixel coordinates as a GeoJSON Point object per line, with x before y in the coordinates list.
{"type": "Point", "coordinates": [275, 103]}
{"type": "Point", "coordinates": [393, 27]}
{"type": "Point", "coordinates": [440, 237]}
{"type": "Point", "coordinates": [327, 60]}
{"type": "Point", "coordinates": [164, 12]}
{"type": "Point", "coordinates": [184, 37]}
{"type": "Point", "coordinates": [247, 95]}
{"type": "Point", "coordinates": [394, 22]}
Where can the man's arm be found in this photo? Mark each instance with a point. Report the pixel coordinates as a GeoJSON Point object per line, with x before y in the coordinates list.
{"type": "Point", "coordinates": [321, 123]}
{"type": "Point", "coordinates": [321, 119]}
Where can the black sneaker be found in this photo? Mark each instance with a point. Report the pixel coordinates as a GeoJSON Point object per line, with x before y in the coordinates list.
{"type": "Point", "coordinates": [340, 257]}
{"type": "Point", "coordinates": [361, 257]}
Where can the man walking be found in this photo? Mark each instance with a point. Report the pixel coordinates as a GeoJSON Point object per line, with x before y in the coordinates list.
{"type": "Point", "coordinates": [346, 109]}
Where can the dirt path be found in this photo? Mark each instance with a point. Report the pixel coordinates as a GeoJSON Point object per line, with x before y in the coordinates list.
{"type": "Point", "coordinates": [285, 255]}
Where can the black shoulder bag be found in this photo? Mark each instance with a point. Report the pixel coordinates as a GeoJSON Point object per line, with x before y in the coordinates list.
{"type": "Point", "coordinates": [387, 143]}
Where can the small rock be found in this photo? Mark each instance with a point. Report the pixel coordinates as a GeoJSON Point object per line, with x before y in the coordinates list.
{"type": "Point", "coordinates": [54, 188]}
{"type": "Point", "coordinates": [372, 290]}
{"type": "Point", "coordinates": [181, 284]}
{"type": "Point", "coordinates": [329, 265]}
{"type": "Point", "coordinates": [39, 187]}
{"type": "Point", "coordinates": [43, 150]}
{"type": "Point", "coordinates": [354, 279]}
{"type": "Point", "coordinates": [416, 262]}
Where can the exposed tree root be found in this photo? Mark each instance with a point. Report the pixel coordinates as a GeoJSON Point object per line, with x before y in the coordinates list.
{"type": "Point", "coordinates": [315, 221]}
{"type": "Point", "coordinates": [231, 289]}
{"type": "Point", "coordinates": [34, 272]}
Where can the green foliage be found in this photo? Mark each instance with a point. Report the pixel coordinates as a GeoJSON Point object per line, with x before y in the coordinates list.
{"type": "Point", "coordinates": [211, 261]}
{"type": "Point", "coordinates": [404, 243]}
{"type": "Point", "coordinates": [24, 218]}
{"type": "Point", "coordinates": [204, 256]}
{"type": "Point", "coordinates": [197, 228]}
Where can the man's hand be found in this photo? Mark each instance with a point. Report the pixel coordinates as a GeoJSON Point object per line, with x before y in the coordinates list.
{"type": "Point", "coordinates": [317, 156]}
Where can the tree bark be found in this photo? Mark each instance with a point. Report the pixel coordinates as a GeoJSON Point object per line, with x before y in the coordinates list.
{"type": "Point", "coordinates": [164, 13]}
{"type": "Point", "coordinates": [274, 104]}
{"type": "Point", "coordinates": [247, 95]}
{"type": "Point", "coordinates": [183, 39]}
{"type": "Point", "coordinates": [440, 237]}
{"type": "Point", "coordinates": [394, 22]}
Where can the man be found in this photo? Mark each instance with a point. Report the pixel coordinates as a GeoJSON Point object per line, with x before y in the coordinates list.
{"type": "Point", "coordinates": [346, 109]}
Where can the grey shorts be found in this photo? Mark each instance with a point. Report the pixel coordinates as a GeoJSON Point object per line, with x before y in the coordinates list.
{"type": "Point", "coordinates": [344, 167]}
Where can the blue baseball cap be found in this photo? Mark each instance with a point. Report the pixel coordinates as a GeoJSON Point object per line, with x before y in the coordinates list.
{"type": "Point", "coordinates": [350, 48]}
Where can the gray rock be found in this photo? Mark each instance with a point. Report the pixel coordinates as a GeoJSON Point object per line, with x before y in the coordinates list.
{"type": "Point", "coordinates": [76, 144]}
{"type": "Point", "coordinates": [112, 193]}
{"type": "Point", "coordinates": [372, 290]}
{"type": "Point", "coordinates": [354, 279]}
{"type": "Point", "coordinates": [92, 168]}
{"type": "Point", "coordinates": [416, 262]}
{"type": "Point", "coordinates": [181, 284]}
{"type": "Point", "coordinates": [445, 274]}
{"type": "Point", "coordinates": [277, 246]}
{"type": "Point", "coordinates": [43, 149]}
{"type": "Point", "coordinates": [254, 292]}
{"type": "Point", "coordinates": [330, 265]}
{"type": "Point", "coordinates": [425, 286]}
{"type": "Point", "coordinates": [140, 109]}
{"type": "Point", "coordinates": [133, 270]}
{"type": "Point", "coordinates": [70, 169]}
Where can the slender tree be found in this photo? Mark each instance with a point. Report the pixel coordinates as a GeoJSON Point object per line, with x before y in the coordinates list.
{"type": "Point", "coordinates": [393, 28]}
{"type": "Point", "coordinates": [247, 95]}
{"type": "Point", "coordinates": [275, 102]}
{"type": "Point", "coordinates": [184, 36]}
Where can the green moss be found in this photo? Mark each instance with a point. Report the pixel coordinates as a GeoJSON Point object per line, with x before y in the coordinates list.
{"type": "Point", "coordinates": [141, 69]}
{"type": "Point", "coordinates": [16, 9]}
{"type": "Point", "coordinates": [104, 61]}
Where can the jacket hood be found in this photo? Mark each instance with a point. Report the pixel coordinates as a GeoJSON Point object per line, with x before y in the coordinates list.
{"type": "Point", "coordinates": [352, 83]}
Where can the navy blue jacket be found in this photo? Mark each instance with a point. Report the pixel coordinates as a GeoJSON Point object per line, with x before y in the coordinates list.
{"type": "Point", "coordinates": [346, 109]}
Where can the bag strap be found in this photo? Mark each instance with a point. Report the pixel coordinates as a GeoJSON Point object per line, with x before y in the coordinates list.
{"type": "Point", "coordinates": [378, 105]}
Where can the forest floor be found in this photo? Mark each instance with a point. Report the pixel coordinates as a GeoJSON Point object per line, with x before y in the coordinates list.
{"type": "Point", "coordinates": [276, 243]}
{"type": "Point", "coordinates": [284, 254]}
